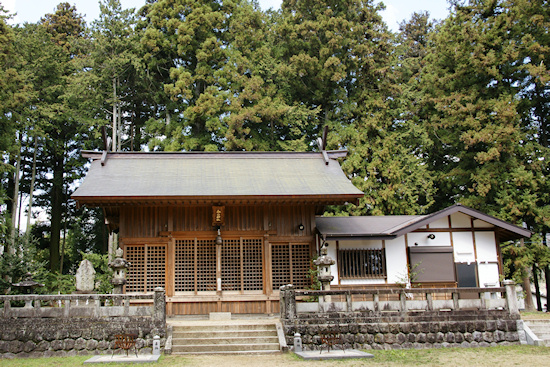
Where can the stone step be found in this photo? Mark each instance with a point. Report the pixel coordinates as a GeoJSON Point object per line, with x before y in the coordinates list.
{"type": "Point", "coordinates": [226, 348]}
{"type": "Point", "coordinates": [232, 352]}
{"type": "Point", "coordinates": [538, 321]}
{"type": "Point", "coordinates": [539, 327]}
{"type": "Point", "coordinates": [223, 334]}
{"type": "Point", "coordinates": [223, 327]}
{"type": "Point", "coordinates": [225, 340]}
{"type": "Point", "coordinates": [224, 337]}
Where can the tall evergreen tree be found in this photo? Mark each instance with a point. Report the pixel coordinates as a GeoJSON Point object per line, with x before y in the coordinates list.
{"type": "Point", "coordinates": [185, 43]}
{"type": "Point", "coordinates": [56, 55]}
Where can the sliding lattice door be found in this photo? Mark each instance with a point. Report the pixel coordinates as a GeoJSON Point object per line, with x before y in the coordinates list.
{"type": "Point", "coordinates": [241, 265]}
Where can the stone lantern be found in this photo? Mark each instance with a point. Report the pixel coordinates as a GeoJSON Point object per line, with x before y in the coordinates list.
{"type": "Point", "coordinates": [119, 266]}
{"type": "Point", "coordinates": [323, 263]}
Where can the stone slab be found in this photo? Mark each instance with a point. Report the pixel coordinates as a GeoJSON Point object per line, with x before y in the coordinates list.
{"type": "Point", "coordinates": [147, 358]}
{"type": "Point", "coordinates": [333, 354]}
{"type": "Point", "coordinates": [220, 316]}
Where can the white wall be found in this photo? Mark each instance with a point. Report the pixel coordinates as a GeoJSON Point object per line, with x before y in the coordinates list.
{"type": "Point", "coordinates": [463, 247]}
{"type": "Point", "coordinates": [396, 259]}
{"type": "Point", "coordinates": [483, 251]}
{"type": "Point", "coordinates": [421, 238]}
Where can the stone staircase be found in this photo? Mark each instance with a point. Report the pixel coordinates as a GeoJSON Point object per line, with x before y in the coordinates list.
{"type": "Point", "coordinates": [225, 337]}
{"type": "Point", "coordinates": [541, 328]}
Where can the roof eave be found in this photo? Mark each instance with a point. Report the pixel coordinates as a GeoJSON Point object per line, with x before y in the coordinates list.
{"type": "Point", "coordinates": [226, 199]}
{"type": "Point", "coordinates": [513, 230]}
{"type": "Point", "coordinates": [355, 237]}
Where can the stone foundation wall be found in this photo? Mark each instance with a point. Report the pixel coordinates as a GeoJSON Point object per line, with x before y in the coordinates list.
{"type": "Point", "coordinates": [46, 337]}
{"type": "Point", "coordinates": [397, 330]}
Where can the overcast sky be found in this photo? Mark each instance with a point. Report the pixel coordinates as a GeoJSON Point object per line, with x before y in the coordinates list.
{"type": "Point", "coordinates": [396, 10]}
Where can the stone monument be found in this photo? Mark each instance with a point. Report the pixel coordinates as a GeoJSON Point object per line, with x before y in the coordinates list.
{"type": "Point", "coordinates": [85, 277]}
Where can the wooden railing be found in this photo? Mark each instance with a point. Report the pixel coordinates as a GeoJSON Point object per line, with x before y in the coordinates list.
{"type": "Point", "coordinates": [295, 302]}
{"type": "Point", "coordinates": [86, 305]}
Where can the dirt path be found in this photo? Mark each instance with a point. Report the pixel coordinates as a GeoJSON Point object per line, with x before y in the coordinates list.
{"type": "Point", "coordinates": [483, 357]}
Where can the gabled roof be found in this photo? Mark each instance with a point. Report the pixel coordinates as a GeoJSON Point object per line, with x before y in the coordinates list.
{"type": "Point", "coordinates": [389, 227]}
{"type": "Point", "coordinates": [209, 177]}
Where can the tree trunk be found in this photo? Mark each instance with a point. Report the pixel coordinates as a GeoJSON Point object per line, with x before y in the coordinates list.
{"type": "Point", "coordinates": [31, 190]}
{"type": "Point", "coordinates": [537, 289]}
{"type": "Point", "coordinates": [119, 115]}
{"type": "Point", "coordinates": [15, 199]}
{"type": "Point", "coordinates": [114, 117]}
{"type": "Point", "coordinates": [526, 284]}
{"type": "Point", "coordinates": [57, 213]}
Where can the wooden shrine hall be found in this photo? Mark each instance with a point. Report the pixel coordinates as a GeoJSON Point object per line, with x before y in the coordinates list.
{"type": "Point", "coordinates": [221, 232]}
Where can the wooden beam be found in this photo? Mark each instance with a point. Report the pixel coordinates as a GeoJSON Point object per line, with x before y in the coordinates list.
{"type": "Point", "coordinates": [323, 151]}
{"type": "Point", "coordinates": [103, 157]}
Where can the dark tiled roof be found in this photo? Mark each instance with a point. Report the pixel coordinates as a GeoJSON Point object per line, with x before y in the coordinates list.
{"type": "Point", "coordinates": [238, 174]}
{"type": "Point", "coordinates": [391, 226]}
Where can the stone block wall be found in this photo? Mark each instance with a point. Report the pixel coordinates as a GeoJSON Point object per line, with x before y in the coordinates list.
{"type": "Point", "coordinates": [46, 337]}
{"type": "Point", "coordinates": [411, 330]}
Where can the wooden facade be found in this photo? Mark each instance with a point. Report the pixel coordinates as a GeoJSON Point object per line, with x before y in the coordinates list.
{"type": "Point", "coordinates": [221, 231]}
{"type": "Point", "coordinates": [263, 247]}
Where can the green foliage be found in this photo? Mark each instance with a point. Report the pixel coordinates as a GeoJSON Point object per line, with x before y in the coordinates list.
{"type": "Point", "coordinates": [410, 277]}
{"type": "Point", "coordinates": [15, 266]}
{"type": "Point", "coordinates": [433, 115]}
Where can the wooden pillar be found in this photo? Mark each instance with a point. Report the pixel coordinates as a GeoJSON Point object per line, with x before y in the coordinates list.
{"type": "Point", "coordinates": [268, 270]}
{"type": "Point", "coordinates": [219, 269]}
{"type": "Point", "coordinates": [170, 270]}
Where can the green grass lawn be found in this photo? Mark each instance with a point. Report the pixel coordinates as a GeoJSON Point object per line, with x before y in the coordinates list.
{"type": "Point", "coordinates": [494, 356]}
{"type": "Point", "coordinates": [534, 315]}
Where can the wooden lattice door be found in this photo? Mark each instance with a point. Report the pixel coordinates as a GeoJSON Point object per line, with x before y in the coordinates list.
{"type": "Point", "coordinates": [241, 262]}
{"type": "Point", "coordinates": [195, 265]}
{"type": "Point", "coordinates": [242, 265]}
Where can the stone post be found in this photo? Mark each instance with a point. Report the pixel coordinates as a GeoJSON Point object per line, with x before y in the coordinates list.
{"type": "Point", "coordinates": [297, 343]}
{"type": "Point", "coordinates": [287, 300]}
{"type": "Point", "coordinates": [282, 301]}
{"type": "Point", "coordinates": [403, 301]}
{"type": "Point", "coordinates": [159, 306]}
{"type": "Point", "coordinates": [511, 297]}
{"type": "Point", "coordinates": [156, 345]}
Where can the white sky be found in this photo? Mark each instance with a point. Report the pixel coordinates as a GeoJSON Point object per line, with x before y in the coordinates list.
{"type": "Point", "coordinates": [396, 10]}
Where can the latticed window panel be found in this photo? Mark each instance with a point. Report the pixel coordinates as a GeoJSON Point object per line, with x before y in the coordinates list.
{"type": "Point", "coordinates": [136, 272]}
{"type": "Point", "coordinates": [280, 264]}
{"type": "Point", "coordinates": [252, 264]}
{"type": "Point", "coordinates": [231, 265]}
{"type": "Point", "coordinates": [301, 263]}
{"type": "Point", "coordinates": [206, 265]}
{"type": "Point", "coordinates": [290, 264]}
{"type": "Point", "coordinates": [364, 263]}
{"type": "Point", "coordinates": [185, 266]}
{"type": "Point", "coordinates": [156, 266]}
